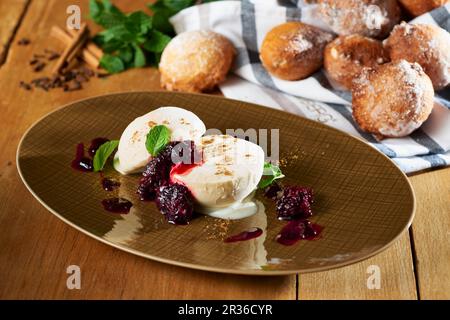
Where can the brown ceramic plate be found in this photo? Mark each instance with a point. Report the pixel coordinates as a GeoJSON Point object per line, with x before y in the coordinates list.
{"type": "Point", "coordinates": [363, 201]}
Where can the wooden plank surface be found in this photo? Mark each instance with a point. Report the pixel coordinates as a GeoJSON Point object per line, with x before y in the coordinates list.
{"type": "Point", "coordinates": [11, 12]}
{"type": "Point", "coordinates": [396, 275]}
{"type": "Point", "coordinates": [36, 247]}
{"type": "Point", "coordinates": [431, 233]}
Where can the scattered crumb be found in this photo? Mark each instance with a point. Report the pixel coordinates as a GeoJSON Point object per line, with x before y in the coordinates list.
{"type": "Point", "coordinates": [183, 121]}
{"type": "Point", "coordinates": [291, 156]}
{"type": "Point", "coordinates": [135, 136]}
{"type": "Point", "coordinates": [217, 229]}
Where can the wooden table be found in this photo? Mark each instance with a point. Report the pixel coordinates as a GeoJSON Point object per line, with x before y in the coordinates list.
{"type": "Point", "coordinates": [36, 247]}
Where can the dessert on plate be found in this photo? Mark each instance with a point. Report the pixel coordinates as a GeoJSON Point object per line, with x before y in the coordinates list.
{"type": "Point", "coordinates": [186, 172]}
{"type": "Point", "coordinates": [132, 155]}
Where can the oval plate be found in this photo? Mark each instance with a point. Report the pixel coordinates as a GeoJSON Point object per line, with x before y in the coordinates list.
{"type": "Point", "coordinates": [363, 201]}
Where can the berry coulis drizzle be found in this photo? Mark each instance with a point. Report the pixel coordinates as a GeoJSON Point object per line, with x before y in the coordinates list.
{"type": "Point", "coordinates": [95, 144]}
{"type": "Point", "coordinates": [296, 230]}
{"type": "Point", "coordinates": [117, 205]}
{"type": "Point", "coordinates": [83, 163]}
{"type": "Point", "coordinates": [109, 184]}
{"type": "Point", "coordinates": [245, 235]}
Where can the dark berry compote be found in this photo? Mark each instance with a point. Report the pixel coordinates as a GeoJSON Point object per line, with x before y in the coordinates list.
{"type": "Point", "coordinates": [175, 203]}
{"type": "Point", "coordinates": [173, 200]}
{"type": "Point", "coordinates": [273, 191]}
{"type": "Point", "coordinates": [295, 203]}
{"type": "Point", "coordinates": [155, 175]}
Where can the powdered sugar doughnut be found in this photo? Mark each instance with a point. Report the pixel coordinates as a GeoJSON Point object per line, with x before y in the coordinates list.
{"type": "Point", "coordinates": [371, 18]}
{"type": "Point", "coordinates": [425, 44]}
{"type": "Point", "coordinates": [393, 99]}
{"type": "Point", "coordinates": [195, 61]}
{"type": "Point", "coordinates": [294, 50]}
{"type": "Point", "coordinates": [418, 7]}
{"type": "Point", "coordinates": [345, 57]}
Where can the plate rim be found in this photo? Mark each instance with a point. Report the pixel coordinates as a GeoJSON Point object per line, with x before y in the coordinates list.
{"type": "Point", "coordinates": [250, 272]}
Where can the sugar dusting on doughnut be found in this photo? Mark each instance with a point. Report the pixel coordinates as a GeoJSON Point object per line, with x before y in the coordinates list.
{"type": "Point", "coordinates": [427, 45]}
{"type": "Point", "coordinates": [372, 18]}
{"type": "Point", "coordinates": [196, 61]}
{"type": "Point", "coordinates": [419, 7]}
{"type": "Point", "coordinates": [393, 99]}
{"type": "Point", "coordinates": [347, 55]}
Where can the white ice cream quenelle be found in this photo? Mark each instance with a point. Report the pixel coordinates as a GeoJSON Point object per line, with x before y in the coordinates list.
{"type": "Point", "coordinates": [223, 183]}
{"type": "Point", "coordinates": [132, 155]}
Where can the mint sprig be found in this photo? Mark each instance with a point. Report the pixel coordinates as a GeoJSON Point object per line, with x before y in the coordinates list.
{"type": "Point", "coordinates": [271, 173]}
{"type": "Point", "coordinates": [103, 153]}
{"type": "Point", "coordinates": [157, 139]}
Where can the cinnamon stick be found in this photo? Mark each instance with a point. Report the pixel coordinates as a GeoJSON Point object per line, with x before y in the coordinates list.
{"type": "Point", "coordinates": [75, 44]}
{"type": "Point", "coordinates": [77, 49]}
{"type": "Point", "coordinates": [92, 47]}
{"type": "Point", "coordinates": [93, 60]}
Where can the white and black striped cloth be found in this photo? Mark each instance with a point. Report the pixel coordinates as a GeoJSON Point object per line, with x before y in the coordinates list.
{"type": "Point", "coordinates": [246, 23]}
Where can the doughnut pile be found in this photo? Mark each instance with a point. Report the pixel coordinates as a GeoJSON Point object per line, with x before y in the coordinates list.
{"type": "Point", "coordinates": [392, 69]}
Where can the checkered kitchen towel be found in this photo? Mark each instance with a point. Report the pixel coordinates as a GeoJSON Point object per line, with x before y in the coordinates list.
{"type": "Point", "coordinates": [246, 23]}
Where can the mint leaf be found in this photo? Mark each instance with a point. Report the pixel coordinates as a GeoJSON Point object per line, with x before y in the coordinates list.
{"type": "Point", "coordinates": [110, 7]}
{"type": "Point", "coordinates": [110, 19]}
{"type": "Point", "coordinates": [157, 139]}
{"type": "Point", "coordinates": [139, 22]}
{"type": "Point", "coordinates": [161, 20]}
{"type": "Point", "coordinates": [157, 42]}
{"type": "Point", "coordinates": [95, 9]}
{"type": "Point", "coordinates": [108, 46]}
{"type": "Point", "coordinates": [105, 14]}
{"type": "Point", "coordinates": [112, 63]}
{"type": "Point", "coordinates": [103, 153]}
{"type": "Point", "coordinates": [119, 33]}
{"type": "Point", "coordinates": [139, 57]}
{"type": "Point", "coordinates": [126, 54]}
{"type": "Point", "coordinates": [271, 173]}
